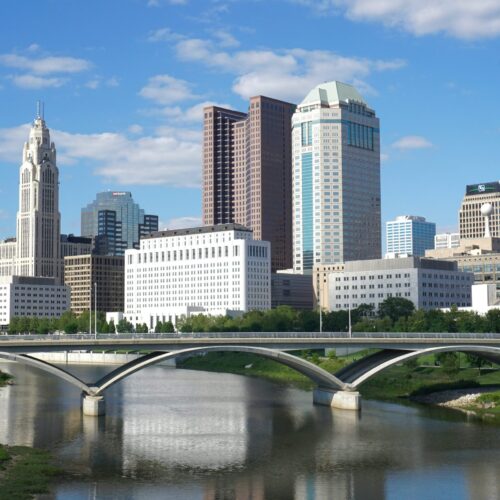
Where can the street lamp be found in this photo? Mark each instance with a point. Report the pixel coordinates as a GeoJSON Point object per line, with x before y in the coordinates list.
{"type": "Point", "coordinates": [95, 309]}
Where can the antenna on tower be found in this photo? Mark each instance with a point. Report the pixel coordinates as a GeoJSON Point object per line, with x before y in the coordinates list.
{"type": "Point", "coordinates": [38, 109]}
{"type": "Point", "coordinates": [43, 110]}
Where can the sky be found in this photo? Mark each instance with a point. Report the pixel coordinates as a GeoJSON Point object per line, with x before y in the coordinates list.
{"type": "Point", "coordinates": [124, 83]}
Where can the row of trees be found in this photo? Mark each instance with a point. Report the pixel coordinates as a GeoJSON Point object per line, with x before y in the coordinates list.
{"type": "Point", "coordinates": [395, 314]}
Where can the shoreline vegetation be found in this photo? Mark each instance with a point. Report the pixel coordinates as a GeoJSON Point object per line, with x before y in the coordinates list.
{"type": "Point", "coordinates": [25, 472]}
{"type": "Point", "coordinates": [5, 379]}
{"type": "Point", "coordinates": [456, 381]}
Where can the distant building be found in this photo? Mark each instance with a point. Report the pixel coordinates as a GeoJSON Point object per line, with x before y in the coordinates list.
{"type": "Point", "coordinates": [409, 235]}
{"type": "Point", "coordinates": [8, 249]}
{"type": "Point", "coordinates": [320, 283]}
{"type": "Point", "coordinates": [213, 270]}
{"type": "Point", "coordinates": [82, 272]}
{"type": "Point", "coordinates": [294, 290]}
{"type": "Point", "coordinates": [428, 283]}
{"type": "Point", "coordinates": [446, 240]}
{"type": "Point", "coordinates": [29, 296]}
{"type": "Point", "coordinates": [247, 172]}
{"type": "Point", "coordinates": [75, 245]}
{"type": "Point", "coordinates": [336, 178]}
{"type": "Point", "coordinates": [472, 222]}
{"type": "Point", "coordinates": [116, 222]}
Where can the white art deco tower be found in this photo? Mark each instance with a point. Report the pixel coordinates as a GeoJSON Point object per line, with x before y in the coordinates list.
{"type": "Point", "coordinates": [38, 218]}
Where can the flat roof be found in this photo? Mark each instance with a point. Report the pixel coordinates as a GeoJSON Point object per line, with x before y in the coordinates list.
{"type": "Point", "coordinates": [198, 230]}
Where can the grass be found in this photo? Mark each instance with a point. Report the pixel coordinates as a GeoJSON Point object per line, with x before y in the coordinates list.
{"type": "Point", "coordinates": [24, 472]}
{"type": "Point", "coordinates": [4, 378]}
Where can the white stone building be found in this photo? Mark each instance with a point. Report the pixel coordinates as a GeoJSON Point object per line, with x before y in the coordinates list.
{"type": "Point", "coordinates": [428, 283]}
{"type": "Point", "coordinates": [213, 270]}
{"type": "Point", "coordinates": [31, 297]}
{"type": "Point", "coordinates": [446, 240]}
{"type": "Point", "coordinates": [336, 178]}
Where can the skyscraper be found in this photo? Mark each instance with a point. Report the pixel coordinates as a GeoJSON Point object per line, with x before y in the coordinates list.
{"type": "Point", "coordinates": [409, 234]}
{"type": "Point", "coordinates": [336, 178]}
{"type": "Point", "coordinates": [38, 218]}
{"type": "Point", "coordinates": [116, 222]}
{"type": "Point", "coordinates": [472, 222]}
{"type": "Point", "coordinates": [247, 172]}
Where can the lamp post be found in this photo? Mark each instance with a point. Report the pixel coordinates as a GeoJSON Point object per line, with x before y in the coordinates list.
{"type": "Point", "coordinates": [350, 325]}
{"type": "Point", "coordinates": [90, 311]}
{"type": "Point", "coordinates": [95, 309]}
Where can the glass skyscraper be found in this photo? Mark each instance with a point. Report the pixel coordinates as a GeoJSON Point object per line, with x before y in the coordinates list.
{"type": "Point", "coordinates": [116, 222]}
{"type": "Point", "coordinates": [336, 178]}
{"type": "Point", "coordinates": [410, 235]}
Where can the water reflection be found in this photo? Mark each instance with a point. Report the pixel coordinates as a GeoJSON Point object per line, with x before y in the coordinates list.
{"type": "Point", "coordinates": [184, 434]}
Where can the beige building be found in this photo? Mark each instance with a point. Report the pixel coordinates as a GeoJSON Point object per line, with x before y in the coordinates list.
{"type": "Point", "coordinates": [82, 272]}
{"type": "Point", "coordinates": [320, 283]}
{"type": "Point", "coordinates": [247, 169]}
{"type": "Point", "coordinates": [472, 222]}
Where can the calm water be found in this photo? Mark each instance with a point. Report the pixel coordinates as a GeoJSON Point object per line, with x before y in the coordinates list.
{"type": "Point", "coordinates": [194, 435]}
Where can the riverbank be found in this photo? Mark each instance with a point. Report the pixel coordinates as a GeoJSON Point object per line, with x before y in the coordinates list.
{"type": "Point", "coordinates": [398, 383]}
{"type": "Point", "coordinates": [25, 472]}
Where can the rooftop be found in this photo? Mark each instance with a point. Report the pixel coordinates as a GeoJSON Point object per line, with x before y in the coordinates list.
{"type": "Point", "coordinates": [198, 230]}
{"type": "Point", "coordinates": [329, 93]}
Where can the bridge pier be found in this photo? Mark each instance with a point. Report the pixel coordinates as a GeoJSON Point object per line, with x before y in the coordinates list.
{"type": "Point", "coordinates": [343, 400]}
{"type": "Point", "coordinates": [93, 406]}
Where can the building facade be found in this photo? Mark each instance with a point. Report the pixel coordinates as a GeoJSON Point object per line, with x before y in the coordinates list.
{"type": "Point", "coordinates": [28, 296]}
{"type": "Point", "coordinates": [472, 223]}
{"type": "Point", "coordinates": [247, 172]}
{"type": "Point", "coordinates": [38, 218]}
{"type": "Point", "coordinates": [409, 235]}
{"type": "Point", "coordinates": [214, 270]}
{"type": "Point", "coordinates": [87, 274]}
{"type": "Point", "coordinates": [116, 222]}
{"type": "Point", "coordinates": [294, 290]}
{"type": "Point", "coordinates": [428, 283]}
{"type": "Point", "coordinates": [446, 240]}
{"type": "Point", "coordinates": [336, 178]}
{"type": "Point", "coordinates": [8, 250]}
{"type": "Point", "coordinates": [75, 245]}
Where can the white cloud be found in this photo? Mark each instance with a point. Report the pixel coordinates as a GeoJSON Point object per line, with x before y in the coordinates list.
{"type": "Point", "coordinates": [93, 84]}
{"type": "Point", "coordinates": [112, 82]}
{"type": "Point", "coordinates": [165, 89]}
{"type": "Point", "coordinates": [45, 65]}
{"type": "Point", "coordinates": [225, 39]}
{"type": "Point", "coordinates": [283, 74]}
{"type": "Point", "coordinates": [181, 223]}
{"type": "Point", "coordinates": [466, 19]}
{"type": "Point", "coordinates": [37, 82]}
{"type": "Point", "coordinates": [193, 114]}
{"type": "Point", "coordinates": [412, 142]}
{"type": "Point", "coordinates": [164, 35]}
{"type": "Point", "coordinates": [172, 159]}
{"type": "Point", "coordinates": [135, 129]}
{"type": "Point", "coordinates": [97, 81]}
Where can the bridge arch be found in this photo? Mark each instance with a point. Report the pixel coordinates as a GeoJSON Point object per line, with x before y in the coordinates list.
{"type": "Point", "coordinates": [375, 364]}
{"type": "Point", "coordinates": [321, 377]}
{"type": "Point", "coordinates": [24, 359]}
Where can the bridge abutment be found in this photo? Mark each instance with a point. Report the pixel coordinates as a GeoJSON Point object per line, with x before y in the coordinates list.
{"type": "Point", "coordinates": [93, 406]}
{"type": "Point", "coordinates": [343, 400]}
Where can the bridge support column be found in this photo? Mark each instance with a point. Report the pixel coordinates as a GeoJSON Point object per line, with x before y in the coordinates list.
{"type": "Point", "coordinates": [343, 400]}
{"type": "Point", "coordinates": [93, 406]}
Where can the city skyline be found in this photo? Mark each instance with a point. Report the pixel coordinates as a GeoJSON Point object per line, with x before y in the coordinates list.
{"type": "Point", "coordinates": [141, 130]}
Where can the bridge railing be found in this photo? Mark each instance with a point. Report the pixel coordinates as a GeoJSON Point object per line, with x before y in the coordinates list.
{"type": "Point", "coordinates": [249, 335]}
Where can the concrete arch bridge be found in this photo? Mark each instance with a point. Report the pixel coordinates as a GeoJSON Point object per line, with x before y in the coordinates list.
{"type": "Point", "coordinates": [337, 390]}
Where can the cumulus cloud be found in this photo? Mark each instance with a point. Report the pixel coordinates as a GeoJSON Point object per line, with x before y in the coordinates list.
{"type": "Point", "coordinates": [412, 142]}
{"type": "Point", "coordinates": [165, 89]}
{"type": "Point", "coordinates": [225, 39]}
{"type": "Point", "coordinates": [192, 114]}
{"type": "Point", "coordinates": [37, 82]}
{"type": "Point", "coordinates": [45, 65]}
{"type": "Point", "coordinates": [464, 19]}
{"type": "Point", "coordinates": [171, 159]}
{"type": "Point", "coordinates": [283, 74]}
{"type": "Point", "coordinates": [181, 222]}
{"type": "Point", "coordinates": [164, 35]}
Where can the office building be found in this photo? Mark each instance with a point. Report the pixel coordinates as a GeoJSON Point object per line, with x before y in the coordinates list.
{"type": "Point", "coordinates": [428, 283]}
{"type": "Point", "coordinates": [29, 296]}
{"type": "Point", "coordinates": [75, 245]}
{"type": "Point", "coordinates": [247, 172]}
{"type": "Point", "coordinates": [336, 178]}
{"type": "Point", "coordinates": [294, 290]}
{"type": "Point", "coordinates": [446, 240]}
{"type": "Point", "coordinates": [8, 249]}
{"type": "Point", "coordinates": [88, 274]}
{"type": "Point", "coordinates": [38, 218]}
{"type": "Point", "coordinates": [213, 270]}
{"type": "Point", "coordinates": [409, 235]}
{"type": "Point", "coordinates": [471, 221]}
{"type": "Point", "coordinates": [116, 222]}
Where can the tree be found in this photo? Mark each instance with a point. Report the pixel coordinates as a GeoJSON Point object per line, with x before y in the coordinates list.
{"type": "Point", "coordinates": [14, 325]}
{"type": "Point", "coordinates": [395, 308]}
{"type": "Point", "coordinates": [111, 327]}
{"type": "Point", "coordinates": [449, 362]}
{"type": "Point", "coordinates": [476, 361]}
{"type": "Point", "coordinates": [124, 326]}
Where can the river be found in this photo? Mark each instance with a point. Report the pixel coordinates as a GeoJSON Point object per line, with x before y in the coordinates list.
{"type": "Point", "coordinates": [181, 434]}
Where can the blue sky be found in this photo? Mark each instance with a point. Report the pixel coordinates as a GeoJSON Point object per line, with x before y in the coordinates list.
{"type": "Point", "coordinates": [124, 82]}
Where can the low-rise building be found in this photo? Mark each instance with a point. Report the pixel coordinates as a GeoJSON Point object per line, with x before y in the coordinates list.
{"type": "Point", "coordinates": [88, 274]}
{"type": "Point", "coordinates": [213, 270]}
{"type": "Point", "coordinates": [290, 289]}
{"type": "Point", "coordinates": [27, 296]}
{"type": "Point", "coordinates": [446, 240]}
{"type": "Point", "coordinates": [320, 284]}
{"type": "Point", "coordinates": [428, 283]}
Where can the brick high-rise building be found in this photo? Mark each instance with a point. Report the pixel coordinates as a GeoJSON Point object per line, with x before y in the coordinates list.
{"type": "Point", "coordinates": [247, 172]}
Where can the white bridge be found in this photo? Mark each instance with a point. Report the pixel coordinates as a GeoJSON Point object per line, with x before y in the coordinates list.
{"type": "Point", "coordinates": [338, 390]}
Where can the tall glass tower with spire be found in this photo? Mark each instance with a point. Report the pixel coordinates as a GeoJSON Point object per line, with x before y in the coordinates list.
{"type": "Point", "coordinates": [336, 178]}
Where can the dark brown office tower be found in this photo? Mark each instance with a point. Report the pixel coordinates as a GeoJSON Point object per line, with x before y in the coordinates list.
{"type": "Point", "coordinates": [247, 172]}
